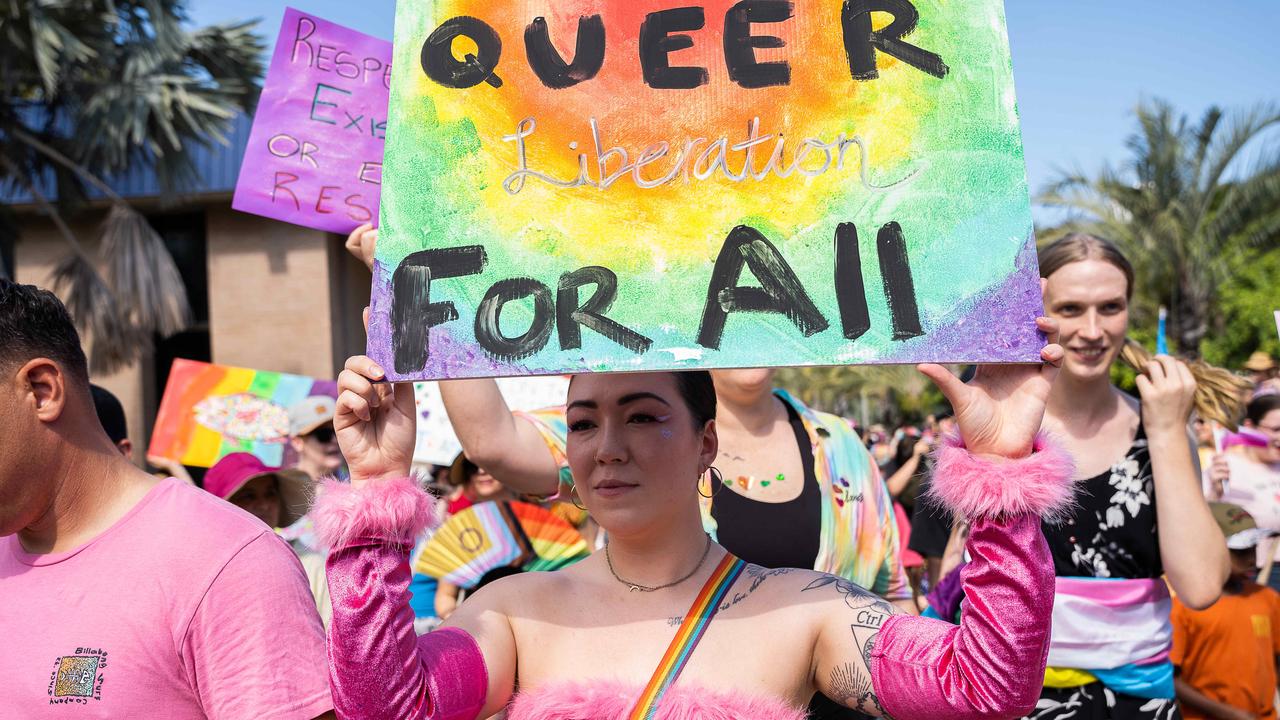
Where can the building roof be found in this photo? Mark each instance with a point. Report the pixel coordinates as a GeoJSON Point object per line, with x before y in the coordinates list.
{"type": "Point", "coordinates": [217, 165]}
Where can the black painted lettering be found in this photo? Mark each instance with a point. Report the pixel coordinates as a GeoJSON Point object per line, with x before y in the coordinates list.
{"type": "Point", "coordinates": [861, 42]}
{"type": "Point", "coordinates": [545, 60]}
{"type": "Point", "coordinates": [851, 293]}
{"type": "Point", "coordinates": [572, 317]}
{"type": "Point", "coordinates": [489, 319]}
{"type": "Point", "coordinates": [657, 42]}
{"type": "Point", "coordinates": [899, 288]}
{"type": "Point", "coordinates": [780, 290]}
{"type": "Point", "coordinates": [740, 45]}
{"type": "Point", "coordinates": [412, 312]}
{"type": "Point", "coordinates": [439, 63]}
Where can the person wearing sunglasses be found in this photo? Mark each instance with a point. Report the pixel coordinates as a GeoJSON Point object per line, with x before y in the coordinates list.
{"type": "Point", "coordinates": [312, 438]}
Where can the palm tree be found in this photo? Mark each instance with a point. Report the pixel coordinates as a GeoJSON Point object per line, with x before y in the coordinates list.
{"type": "Point", "coordinates": [1189, 197]}
{"type": "Point", "coordinates": [91, 88]}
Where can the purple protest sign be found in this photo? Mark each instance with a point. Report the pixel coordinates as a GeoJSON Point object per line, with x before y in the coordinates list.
{"type": "Point", "coordinates": [315, 151]}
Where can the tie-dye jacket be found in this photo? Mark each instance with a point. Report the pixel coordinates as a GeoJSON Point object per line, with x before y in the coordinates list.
{"type": "Point", "coordinates": [859, 539]}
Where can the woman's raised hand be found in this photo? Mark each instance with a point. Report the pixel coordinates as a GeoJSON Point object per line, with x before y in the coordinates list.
{"type": "Point", "coordinates": [375, 422]}
{"type": "Point", "coordinates": [999, 412]}
{"type": "Point", "coordinates": [362, 243]}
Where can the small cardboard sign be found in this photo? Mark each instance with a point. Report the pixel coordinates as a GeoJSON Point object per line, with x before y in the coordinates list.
{"type": "Point", "coordinates": [315, 151]}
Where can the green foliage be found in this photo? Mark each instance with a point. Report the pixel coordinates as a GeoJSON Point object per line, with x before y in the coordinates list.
{"type": "Point", "coordinates": [1245, 321]}
{"type": "Point", "coordinates": [892, 393]}
{"type": "Point", "coordinates": [92, 88]}
{"type": "Point", "coordinates": [1190, 199]}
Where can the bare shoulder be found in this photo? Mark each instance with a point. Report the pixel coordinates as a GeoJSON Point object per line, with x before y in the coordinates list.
{"type": "Point", "coordinates": [524, 594]}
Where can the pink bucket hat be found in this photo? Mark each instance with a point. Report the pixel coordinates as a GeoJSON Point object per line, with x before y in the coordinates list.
{"type": "Point", "coordinates": [232, 472]}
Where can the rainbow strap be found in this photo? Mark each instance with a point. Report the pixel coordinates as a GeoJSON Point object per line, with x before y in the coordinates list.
{"type": "Point", "coordinates": [695, 625]}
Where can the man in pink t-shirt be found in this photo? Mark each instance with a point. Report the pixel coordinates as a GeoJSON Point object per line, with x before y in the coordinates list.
{"type": "Point", "coordinates": [123, 596]}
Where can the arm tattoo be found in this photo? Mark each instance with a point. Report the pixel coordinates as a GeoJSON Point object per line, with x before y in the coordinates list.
{"type": "Point", "coordinates": [850, 687]}
{"type": "Point", "coordinates": [853, 690]}
{"type": "Point", "coordinates": [855, 597]}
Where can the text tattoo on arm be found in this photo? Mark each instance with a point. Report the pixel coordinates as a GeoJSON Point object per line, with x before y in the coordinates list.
{"type": "Point", "coordinates": [848, 686]}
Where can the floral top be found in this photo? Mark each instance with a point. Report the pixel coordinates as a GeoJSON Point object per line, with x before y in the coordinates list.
{"type": "Point", "coordinates": [859, 532]}
{"type": "Point", "coordinates": [1112, 533]}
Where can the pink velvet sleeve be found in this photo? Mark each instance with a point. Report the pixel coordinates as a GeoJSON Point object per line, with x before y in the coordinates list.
{"type": "Point", "coordinates": [378, 666]}
{"type": "Point", "coordinates": [992, 664]}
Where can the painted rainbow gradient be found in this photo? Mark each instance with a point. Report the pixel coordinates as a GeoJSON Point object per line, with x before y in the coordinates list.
{"type": "Point", "coordinates": [180, 437]}
{"type": "Point", "coordinates": [943, 158]}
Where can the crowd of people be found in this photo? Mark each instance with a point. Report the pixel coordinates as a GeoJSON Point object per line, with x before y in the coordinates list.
{"type": "Point", "coordinates": [687, 545]}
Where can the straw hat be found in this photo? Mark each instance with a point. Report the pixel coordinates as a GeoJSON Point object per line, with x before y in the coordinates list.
{"type": "Point", "coordinates": [1260, 362]}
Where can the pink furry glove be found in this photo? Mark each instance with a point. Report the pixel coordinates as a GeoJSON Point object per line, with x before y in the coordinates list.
{"type": "Point", "coordinates": [992, 665]}
{"type": "Point", "coordinates": [378, 666]}
{"type": "Point", "coordinates": [974, 487]}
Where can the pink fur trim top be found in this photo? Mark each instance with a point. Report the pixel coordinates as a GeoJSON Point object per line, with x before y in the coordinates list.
{"type": "Point", "coordinates": [610, 700]}
{"type": "Point", "coordinates": [396, 510]}
{"type": "Point", "coordinates": [974, 487]}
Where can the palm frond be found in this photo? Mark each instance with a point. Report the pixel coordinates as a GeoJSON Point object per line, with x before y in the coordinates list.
{"type": "Point", "coordinates": [142, 274]}
{"type": "Point", "coordinates": [113, 343]}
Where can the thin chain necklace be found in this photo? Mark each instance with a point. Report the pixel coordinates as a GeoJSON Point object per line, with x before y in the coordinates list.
{"type": "Point", "coordinates": [636, 587]}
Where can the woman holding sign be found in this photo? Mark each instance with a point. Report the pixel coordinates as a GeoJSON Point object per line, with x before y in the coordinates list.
{"type": "Point", "coordinates": [791, 487]}
{"type": "Point", "coordinates": [740, 641]}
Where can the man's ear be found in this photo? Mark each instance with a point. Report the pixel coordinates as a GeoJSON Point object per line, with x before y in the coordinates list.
{"type": "Point", "coordinates": [46, 386]}
{"type": "Point", "coordinates": [297, 443]}
{"type": "Point", "coordinates": [125, 447]}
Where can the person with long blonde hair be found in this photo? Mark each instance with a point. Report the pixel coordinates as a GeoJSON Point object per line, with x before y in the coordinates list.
{"type": "Point", "coordinates": [1141, 517]}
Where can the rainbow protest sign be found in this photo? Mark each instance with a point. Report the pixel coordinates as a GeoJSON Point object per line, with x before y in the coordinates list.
{"type": "Point", "coordinates": [585, 185]}
{"type": "Point", "coordinates": [209, 411]}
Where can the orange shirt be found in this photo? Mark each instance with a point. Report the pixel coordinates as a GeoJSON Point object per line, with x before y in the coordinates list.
{"type": "Point", "coordinates": [1228, 651]}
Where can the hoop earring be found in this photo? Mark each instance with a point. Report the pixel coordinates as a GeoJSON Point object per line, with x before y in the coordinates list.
{"type": "Point", "coordinates": [573, 498]}
{"type": "Point", "coordinates": [716, 481]}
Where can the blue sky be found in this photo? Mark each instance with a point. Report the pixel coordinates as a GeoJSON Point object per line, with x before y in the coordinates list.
{"type": "Point", "coordinates": [1081, 66]}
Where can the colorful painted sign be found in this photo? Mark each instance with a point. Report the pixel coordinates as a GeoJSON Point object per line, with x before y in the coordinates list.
{"type": "Point", "coordinates": [584, 185]}
{"type": "Point", "coordinates": [437, 444]}
{"type": "Point", "coordinates": [315, 151]}
{"type": "Point", "coordinates": [209, 411]}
